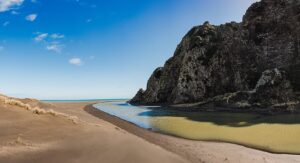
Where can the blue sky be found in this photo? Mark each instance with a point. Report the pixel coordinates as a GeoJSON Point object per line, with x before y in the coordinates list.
{"type": "Point", "coordinates": [87, 49]}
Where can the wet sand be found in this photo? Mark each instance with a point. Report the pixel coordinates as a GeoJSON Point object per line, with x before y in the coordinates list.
{"type": "Point", "coordinates": [95, 136]}
{"type": "Point", "coordinates": [198, 151]}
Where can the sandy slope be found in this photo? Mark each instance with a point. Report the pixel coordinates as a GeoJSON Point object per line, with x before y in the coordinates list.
{"type": "Point", "coordinates": [29, 137]}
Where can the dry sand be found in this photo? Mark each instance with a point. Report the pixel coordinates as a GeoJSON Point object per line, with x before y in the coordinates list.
{"type": "Point", "coordinates": [98, 137]}
{"type": "Point", "coordinates": [28, 137]}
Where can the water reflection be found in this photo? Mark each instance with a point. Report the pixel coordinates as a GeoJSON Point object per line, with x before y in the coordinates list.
{"type": "Point", "coordinates": [275, 133]}
{"type": "Point", "coordinates": [142, 115]}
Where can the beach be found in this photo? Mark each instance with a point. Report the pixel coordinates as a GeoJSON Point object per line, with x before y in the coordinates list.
{"type": "Point", "coordinates": [29, 137]}
{"type": "Point", "coordinates": [198, 151]}
{"type": "Point", "coordinates": [82, 133]}
{"type": "Point", "coordinates": [150, 81]}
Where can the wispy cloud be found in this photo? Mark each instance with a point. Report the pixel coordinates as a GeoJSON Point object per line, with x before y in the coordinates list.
{"type": "Point", "coordinates": [41, 37]}
{"type": "Point", "coordinates": [57, 36]}
{"type": "Point", "coordinates": [5, 24]}
{"type": "Point", "coordinates": [52, 42]}
{"type": "Point", "coordinates": [6, 5]}
{"type": "Point", "coordinates": [31, 17]}
{"type": "Point", "coordinates": [55, 47]}
{"type": "Point", "coordinates": [76, 61]}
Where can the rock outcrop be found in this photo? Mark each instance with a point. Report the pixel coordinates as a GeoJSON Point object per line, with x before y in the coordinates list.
{"type": "Point", "coordinates": [273, 90]}
{"type": "Point", "coordinates": [259, 56]}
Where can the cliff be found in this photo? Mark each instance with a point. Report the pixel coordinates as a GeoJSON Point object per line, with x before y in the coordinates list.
{"type": "Point", "coordinates": [256, 62]}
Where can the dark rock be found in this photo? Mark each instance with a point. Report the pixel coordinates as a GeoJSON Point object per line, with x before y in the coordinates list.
{"type": "Point", "coordinates": [138, 97]}
{"type": "Point", "coordinates": [273, 90]}
{"type": "Point", "coordinates": [212, 61]}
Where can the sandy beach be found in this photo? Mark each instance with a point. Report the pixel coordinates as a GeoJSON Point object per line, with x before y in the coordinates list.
{"type": "Point", "coordinates": [29, 137]}
{"type": "Point", "coordinates": [83, 134]}
{"type": "Point", "coordinates": [150, 81]}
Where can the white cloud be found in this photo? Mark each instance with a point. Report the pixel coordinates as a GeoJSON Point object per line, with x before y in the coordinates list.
{"type": "Point", "coordinates": [41, 37]}
{"type": "Point", "coordinates": [55, 46]}
{"type": "Point", "coordinates": [57, 36]}
{"type": "Point", "coordinates": [5, 24]}
{"type": "Point", "coordinates": [31, 17]}
{"type": "Point", "coordinates": [50, 41]}
{"type": "Point", "coordinates": [76, 61]}
{"type": "Point", "coordinates": [6, 5]}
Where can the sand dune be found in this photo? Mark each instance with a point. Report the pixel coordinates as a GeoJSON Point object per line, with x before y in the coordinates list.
{"type": "Point", "coordinates": [29, 136]}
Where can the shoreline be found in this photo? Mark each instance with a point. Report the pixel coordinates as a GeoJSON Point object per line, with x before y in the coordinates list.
{"type": "Point", "coordinates": [152, 137]}
{"type": "Point", "coordinates": [78, 131]}
{"type": "Point", "coordinates": [203, 107]}
{"type": "Point", "coordinates": [32, 131]}
{"type": "Point", "coordinates": [164, 140]}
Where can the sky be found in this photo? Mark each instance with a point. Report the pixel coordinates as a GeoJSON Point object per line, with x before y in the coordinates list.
{"type": "Point", "coordinates": [95, 49]}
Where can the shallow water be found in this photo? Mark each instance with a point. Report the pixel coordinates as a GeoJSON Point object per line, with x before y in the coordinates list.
{"type": "Point", "coordinates": [276, 133]}
{"type": "Point", "coordinates": [86, 100]}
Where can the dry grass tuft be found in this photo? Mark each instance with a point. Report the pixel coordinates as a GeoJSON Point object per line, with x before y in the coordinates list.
{"type": "Point", "coordinates": [19, 141]}
{"type": "Point", "coordinates": [74, 119]}
{"type": "Point", "coordinates": [36, 110]}
{"type": "Point", "coordinates": [52, 112]}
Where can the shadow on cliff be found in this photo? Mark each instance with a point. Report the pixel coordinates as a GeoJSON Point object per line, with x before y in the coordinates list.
{"type": "Point", "coordinates": [226, 118]}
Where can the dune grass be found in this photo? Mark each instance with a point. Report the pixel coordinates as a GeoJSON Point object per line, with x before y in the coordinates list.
{"type": "Point", "coordinates": [36, 110]}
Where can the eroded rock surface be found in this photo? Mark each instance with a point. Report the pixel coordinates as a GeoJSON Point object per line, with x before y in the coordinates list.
{"type": "Point", "coordinates": [273, 90]}
{"type": "Point", "coordinates": [212, 61]}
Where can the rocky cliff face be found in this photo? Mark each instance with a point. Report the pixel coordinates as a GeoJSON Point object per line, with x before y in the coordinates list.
{"type": "Point", "coordinates": [212, 61]}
